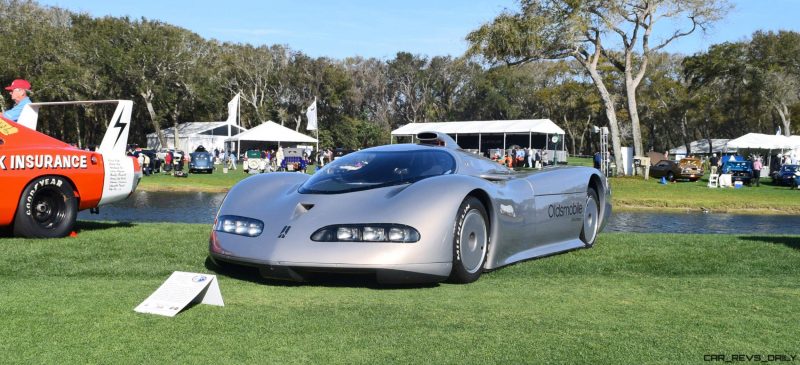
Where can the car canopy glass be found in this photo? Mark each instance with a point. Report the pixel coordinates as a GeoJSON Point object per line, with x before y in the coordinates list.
{"type": "Point", "coordinates": [374, 169]}
{"type": "Point", "coordinates": [198, 156]}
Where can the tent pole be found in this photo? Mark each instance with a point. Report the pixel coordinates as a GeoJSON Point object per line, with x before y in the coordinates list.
{"type": "Point", "coordinates": [504, 144]}
{"type": "Point", "coordinates": [479, 144]}
{"type": "Point", "coordinates": [530, 139]}
{"type": "Point", "coordinates": [546, 144]}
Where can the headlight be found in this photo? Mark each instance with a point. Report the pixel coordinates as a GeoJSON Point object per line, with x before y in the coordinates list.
{"type": "Point", "coordinates": [239, 225]}
{"type": "Point", "coordinates": [797, 173]}
{"type": "Point", "coordinates": [366, 233]}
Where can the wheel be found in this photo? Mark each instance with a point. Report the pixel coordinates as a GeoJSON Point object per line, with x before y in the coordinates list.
{"type": "Point", "coordinates": [470, 241]}
{"type": "Point", "coordinates": [670, 176]}
{"type": "Point", "coordinates": [591, 218]}
{"type": "Point", "coordinates": [47, 208]}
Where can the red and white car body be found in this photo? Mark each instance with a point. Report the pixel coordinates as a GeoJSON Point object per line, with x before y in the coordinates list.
{"type": "Point", "coordinates": [45, 182]}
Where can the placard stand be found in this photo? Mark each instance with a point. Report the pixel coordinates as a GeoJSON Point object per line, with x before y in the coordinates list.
{"type": "Point", "coordinates": [180, 290]}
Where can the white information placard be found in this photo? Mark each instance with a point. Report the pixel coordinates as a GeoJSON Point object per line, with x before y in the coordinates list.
{"type": "Point", "coordinates": [180, 290]}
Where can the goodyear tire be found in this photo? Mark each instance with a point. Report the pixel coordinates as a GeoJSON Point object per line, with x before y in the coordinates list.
{"type": "Point", "coordinates": [47, 208]}
{"type": "Point", "coordinates": [591, 218]}
{"type": "Point", "coordinates": [470, 241]}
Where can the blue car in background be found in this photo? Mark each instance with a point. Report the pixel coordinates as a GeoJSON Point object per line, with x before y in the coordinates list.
{"type": "Point", "coordinates": [201, 161]}
{"type": "Point", "coordinates": [740, 170]}
{"type": "Point", "coordinates": [784, 176]}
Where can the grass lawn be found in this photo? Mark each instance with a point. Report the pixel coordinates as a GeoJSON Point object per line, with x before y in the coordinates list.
{"type": "Point", "coordinates": [633, 299]}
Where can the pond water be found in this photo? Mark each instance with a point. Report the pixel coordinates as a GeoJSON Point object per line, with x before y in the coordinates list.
{"type": "Point", "coordinates": [198, 207]}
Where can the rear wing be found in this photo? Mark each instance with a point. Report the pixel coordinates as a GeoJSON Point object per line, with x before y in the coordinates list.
{"type": "Point", "coordinates": [114, 141]}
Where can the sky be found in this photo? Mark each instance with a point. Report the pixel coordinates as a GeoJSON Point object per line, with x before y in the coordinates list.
{"type": "Point", "coordinates": [380, 28]}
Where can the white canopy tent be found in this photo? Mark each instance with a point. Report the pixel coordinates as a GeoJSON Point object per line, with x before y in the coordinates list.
{"type": "Point", "coordinates": [758, 141]}
{"type": "Point", "coordinates": [540, 126]}
{"type": "Point", "coordinates": [527, 127]}
{"type": "Point", "coordinates": [211, 135]}
{"type": "Point", "coordinates": [271, 132]}
{"type": "Point", "coordinates": [767, 142]}
{"type": "Point", "coordinates": [701, 147]}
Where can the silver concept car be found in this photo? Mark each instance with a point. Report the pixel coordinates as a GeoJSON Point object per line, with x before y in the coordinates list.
{"type": "Point", "coordinates": [409, 213]}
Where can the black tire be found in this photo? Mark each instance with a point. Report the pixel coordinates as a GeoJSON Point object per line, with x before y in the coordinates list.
{"type": "Point", "coordinates": [470, 241]}
{"type": "Point", "coordinates": [670, 176]}
{"type": "Point", "coordinates": [591, 218]}
{"type": "Point", "coordinates": [47, 208]}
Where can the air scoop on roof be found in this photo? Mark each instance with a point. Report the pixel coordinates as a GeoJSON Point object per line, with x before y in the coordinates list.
{"type": "Point", "coordinates": [436, 139]}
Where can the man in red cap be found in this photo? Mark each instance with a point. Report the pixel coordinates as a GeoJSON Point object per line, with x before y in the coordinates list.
{"type": "Point", "coordinates": [19, 93]}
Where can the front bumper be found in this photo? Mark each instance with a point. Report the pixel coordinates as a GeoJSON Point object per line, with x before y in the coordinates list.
{"type": "Point", "coordinates": [305, 271]}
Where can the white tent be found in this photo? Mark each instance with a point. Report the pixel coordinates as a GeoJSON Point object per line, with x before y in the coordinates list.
{"type": "Point", "coordinates": [700, 147]}
{"type": "Point", "coordinates": [211, 135]}
{"type": "Point", "coordinates": [495, 133]}
{"type": "Point", "coordinates": [758, 141]}
{"type": "Point", "coordinates": [271, 132]}
{"type": "Point", "coordinates": [539, 126]}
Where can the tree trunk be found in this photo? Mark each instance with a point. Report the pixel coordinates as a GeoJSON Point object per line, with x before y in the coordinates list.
{"type": "Point", "coordinates": [786, 118]}
{"type": "Point", "coordinates": [148, 100]}
{"type": "Point", "coordinates": [611, 114]}
{"type": "Point", "coordinates": [685, 136]}
{"type": "Point", "coordinates": [630, 91]}
{"type": "Point", "coordinates": [583, 134]}
{"type": "Point", "coordinates": [78, 133]}
{"type": "Point", "coordinates": [571, 133]}
{"type": "Point", "coordinates": [175, 117]}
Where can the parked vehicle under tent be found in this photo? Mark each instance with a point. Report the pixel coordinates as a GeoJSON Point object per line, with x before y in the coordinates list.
{"type": "Point", "coordinates": [766, 144]}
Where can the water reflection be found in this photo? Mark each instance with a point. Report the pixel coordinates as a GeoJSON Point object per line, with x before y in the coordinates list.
{"type": "Point", "coordinates": [197, 207]}
{"type": "Point", "coordinates": [703, 223]}
{"type": "Point", "coordinates": [146, 206]}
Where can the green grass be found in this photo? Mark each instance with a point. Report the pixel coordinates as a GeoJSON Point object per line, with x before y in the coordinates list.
{"type": "Point", "coordinates": [633, 299]}
{"type": "Point", "coordinates": [637, 193]}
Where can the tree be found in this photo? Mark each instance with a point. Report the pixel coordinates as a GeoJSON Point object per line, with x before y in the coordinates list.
{"type": "Point", "coordinates": [411, 84]}
{"type": "Point", "coordinates": [633, 22]}
{"type": "Point", "coordinates": [545, 30]}
{"type": "Point", "coordinates": [775, 58]}
{"type": "Point", "coordinates": [555, 29]}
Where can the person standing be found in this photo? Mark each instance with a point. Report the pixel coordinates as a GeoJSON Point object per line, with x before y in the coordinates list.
{"type": "Point", "coordinates": [279, 158]}
{"type": "Point", "coordinates": [757, 165]}
{"type": "Point", "coordinates": [714, 163]}
{"type": "Point", "coordinates": [168, 162]}
{"type": "Point", "coordinates": [232, 160]}
{"type": "Point", "coordinates": [19, 93]}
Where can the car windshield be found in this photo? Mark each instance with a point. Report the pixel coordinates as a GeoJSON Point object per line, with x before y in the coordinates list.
{"type": "Point", "coordinates": [374, 169]}
{"type": "Point", "coordinates": [200, 156]}
{"type": "Point", "coordinates": [789, 168]}
{"type": "Point", "coordinates": [738, 164]}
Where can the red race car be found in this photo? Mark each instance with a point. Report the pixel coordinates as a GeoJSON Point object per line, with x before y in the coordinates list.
{"type": "Point", "coordinates": [45, 182]}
